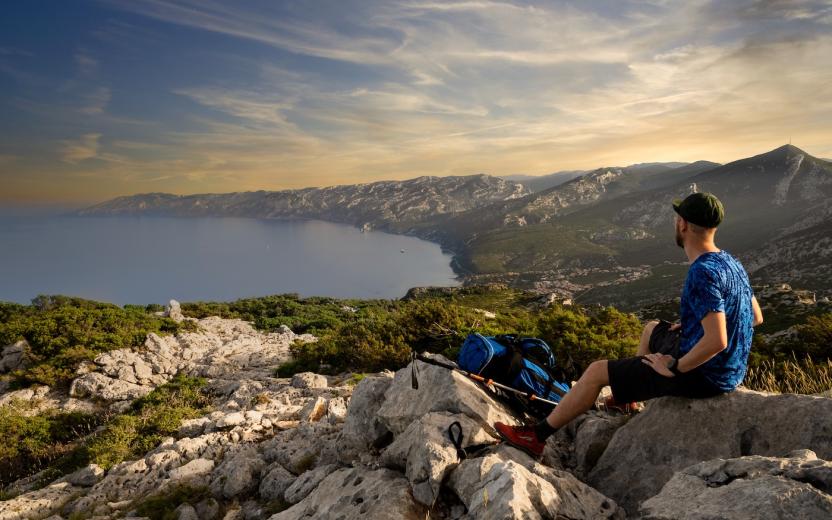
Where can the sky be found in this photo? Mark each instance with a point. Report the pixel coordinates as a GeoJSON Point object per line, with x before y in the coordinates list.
{"type": "Point", "coordinates": [115, 97]}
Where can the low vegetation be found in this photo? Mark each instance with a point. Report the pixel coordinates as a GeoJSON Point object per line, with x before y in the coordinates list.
{"type": "Point", "coordinates": [63, 332]}
{"type": "Point", "coordinates": [790, 376]}
{"type": "Point", "coordinates": [63, 442]}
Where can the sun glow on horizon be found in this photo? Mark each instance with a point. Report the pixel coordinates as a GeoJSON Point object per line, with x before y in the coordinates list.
{"type": "Point", "coordinates": [188, 96]}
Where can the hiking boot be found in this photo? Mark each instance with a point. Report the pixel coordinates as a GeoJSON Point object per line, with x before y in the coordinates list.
{"type": "Point", "coordinates": [522, 437]}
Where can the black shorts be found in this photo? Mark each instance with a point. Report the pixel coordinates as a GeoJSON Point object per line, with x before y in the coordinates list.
{"type": "Point", "coordinates": [633, 380]}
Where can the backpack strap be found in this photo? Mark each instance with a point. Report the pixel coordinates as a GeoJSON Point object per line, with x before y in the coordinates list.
{"type": "Point", "coordinates": [455, 434]}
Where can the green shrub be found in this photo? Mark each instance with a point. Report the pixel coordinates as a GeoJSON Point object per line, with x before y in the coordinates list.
{"type": "Point", "coordinates": [149, 419]}
{"type": "Point", "coordinates": [29, 442]}
{"type": "Point", "coordinates": [163, 507]}
{"type": "Point", "coordinates": [314, 315]}
{"type": "Point", "coordinates": [63, 332]}
{"type": "Point", "coordinates": [583, 337]}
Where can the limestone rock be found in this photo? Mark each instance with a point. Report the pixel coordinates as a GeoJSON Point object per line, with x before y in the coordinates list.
{"type": "Point", "coordinates": [507, 483]}
{"type": "Point", "coordinates": [174, 311]}
{"type": "Point", "coordinates": [231, 420]}
{"type": "Point", "coordinates": [193, 470]}
{"type": "Point", "coordinates": [99, 386]}
{"type": "Point", "coordinates": [336, 410]}
{"type": "Point", "coordinates": [31, 398]}
{"type": "Point", "coordinates": [306, 483]}
{"type": "Point", "coordinates": [87, 476]}
{"type": "Point", "coordinates": [207, 509]}
{"type": "Point", "coordinates": [186, 512]}
{"type": "Point", "coordinates": [673, 433]}
{"type": "Point", "coordinates": [221, 347]}
{"type": "Point", "coordinates": [362, 426]}
{"type": "Point", "coordinates": [592, 438]}
{"type": "Point", "coordinates": [12, 356]}
{"type": "Point", "coordinates": [439, 390]}
{"type": "Point", "coordinates": [358, 494]}
{"type": "Point", "coordinates": [40, 503]}
{"type": "Point", "coordinates": [309, 380]}
{"type": "Point", "coordinates": [747, 488]}
{"type": "Point", "coordinates": [314, 410]}
{"type": "Point", "coordinates": [276, 481]}
{"type": "Point", "coordinates": [426, 454]}
{"type": "Point", "coordinates": [237, 474]}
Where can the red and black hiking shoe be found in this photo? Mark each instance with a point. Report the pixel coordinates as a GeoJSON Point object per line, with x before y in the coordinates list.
{"type": "Point", "coordinates": [522, 437]}
{"type": "Point", "coordinates": [609, 404]}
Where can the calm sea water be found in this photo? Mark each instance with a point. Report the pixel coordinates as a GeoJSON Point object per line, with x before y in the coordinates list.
{"type": "Point", "coordinates": [153, 259]}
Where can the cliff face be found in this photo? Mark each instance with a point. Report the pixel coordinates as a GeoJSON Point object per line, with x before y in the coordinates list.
{"type": "Point", "coordinates": [386, 205]}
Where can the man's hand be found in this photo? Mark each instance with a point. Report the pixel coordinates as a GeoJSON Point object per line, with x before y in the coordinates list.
{"type": "Point", "coordinates": [659, 363]}
{"type": "Point", "coordinates": [675, 326]}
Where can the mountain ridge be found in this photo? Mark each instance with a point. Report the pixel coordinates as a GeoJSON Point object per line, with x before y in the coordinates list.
{"type": "Point", "coordinates": [608, 227]}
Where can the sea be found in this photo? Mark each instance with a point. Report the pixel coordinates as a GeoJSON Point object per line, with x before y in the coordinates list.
{"type": "Point", "coordinates": [142, 260]}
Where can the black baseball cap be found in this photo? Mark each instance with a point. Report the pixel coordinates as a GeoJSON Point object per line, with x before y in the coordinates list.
{"type": "Point", "coordinates": [702, 209]}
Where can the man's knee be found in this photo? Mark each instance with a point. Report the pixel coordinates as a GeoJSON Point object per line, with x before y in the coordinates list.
{"type": "Point", "coordinates": [597, 372]}
{"type": "Point", "coordinates": [649, 326]}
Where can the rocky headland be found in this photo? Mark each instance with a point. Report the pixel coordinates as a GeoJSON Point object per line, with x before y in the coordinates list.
{"type": "Point", "coordinates": [347, 447]}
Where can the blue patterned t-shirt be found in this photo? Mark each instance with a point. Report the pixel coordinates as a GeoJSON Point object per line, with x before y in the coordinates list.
{"type": "Point", "coordinates": [717, 282]}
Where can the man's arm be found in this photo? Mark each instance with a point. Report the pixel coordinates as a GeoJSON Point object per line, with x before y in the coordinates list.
{"type": "Point", "coordinates": [712, 343]}
{"type": "Point", "coordinates": [758, 313]}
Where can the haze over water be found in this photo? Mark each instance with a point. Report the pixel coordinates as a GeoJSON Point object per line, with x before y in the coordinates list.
{"type": "Point", "coordinates": [153, 259]}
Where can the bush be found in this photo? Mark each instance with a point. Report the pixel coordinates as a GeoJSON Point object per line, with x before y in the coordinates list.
{"type": "Point", "coordinates": [29, 442]}
{"type": "Point", "coordinates": [150, 419]}
{"type": "Point", "coordinates": [582, 337]}
{"type": "Point", "coordinates": [62, 332]}
{"type": "Point", "coordinates": [303, 315]}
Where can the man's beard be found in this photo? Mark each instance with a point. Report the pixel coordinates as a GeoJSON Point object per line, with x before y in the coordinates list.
{"type": "Point", "coordinates": [679, 240]}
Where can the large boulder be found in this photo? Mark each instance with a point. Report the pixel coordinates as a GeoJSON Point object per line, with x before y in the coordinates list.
{"type": "Point", "coordinates": [440, 390]}
{"type": "Point", "coordinates": [592, 437]}
{"type": "Point", "coordinates": [673, 433]}
{"type": "Point", "coordinates": [507, 483]}
{"type": "Point", "coordinates": [362, 427]}
{"type": "Point", "coordinates": [747, 488]}
{"type": "Point", "coordinates": [425, 452]}
{"type": "Point", "coordinates": [358, 494]}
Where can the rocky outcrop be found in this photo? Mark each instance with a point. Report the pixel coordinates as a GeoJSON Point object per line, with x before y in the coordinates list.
{"type": "Point", "coordinates": [424, 452]}
{"type": "Point", "coordinates": [673, 433]}
{"type": "Point", "coordinates": [314, 446]}
{"type": "Point", "coordinates": [220, 348]}
{"type": "Point", "coordinates": [439, 390]}
{"type": "Point", "coordinates": [358, 494]}
{"type": "Point", "coordinates": [747, 488]}
{"type": "Point", "coordinates": [507, 483]}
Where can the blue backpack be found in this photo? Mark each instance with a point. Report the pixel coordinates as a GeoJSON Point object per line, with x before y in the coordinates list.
{"type": "Point", "coordinates": [526, 364]}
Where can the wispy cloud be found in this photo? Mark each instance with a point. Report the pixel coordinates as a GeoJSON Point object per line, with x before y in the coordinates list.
{"type": "Point", "coordinates": [96, 101]}
{"type": "Point", "coordinates": [86, 147]}
{"type": "Point", "coordinates": [279, 94]}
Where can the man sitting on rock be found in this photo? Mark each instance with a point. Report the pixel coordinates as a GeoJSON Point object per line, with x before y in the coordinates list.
{"type": "Point", "coordinates": [703, 356]}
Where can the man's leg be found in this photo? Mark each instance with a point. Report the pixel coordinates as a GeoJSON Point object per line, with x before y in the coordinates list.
{"type": "Point", "coordinates": [644, 344]}
{"type": "Point", "coordinates": [582, 396]}
{"type": "Point", "coordinates": [577, 401]}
